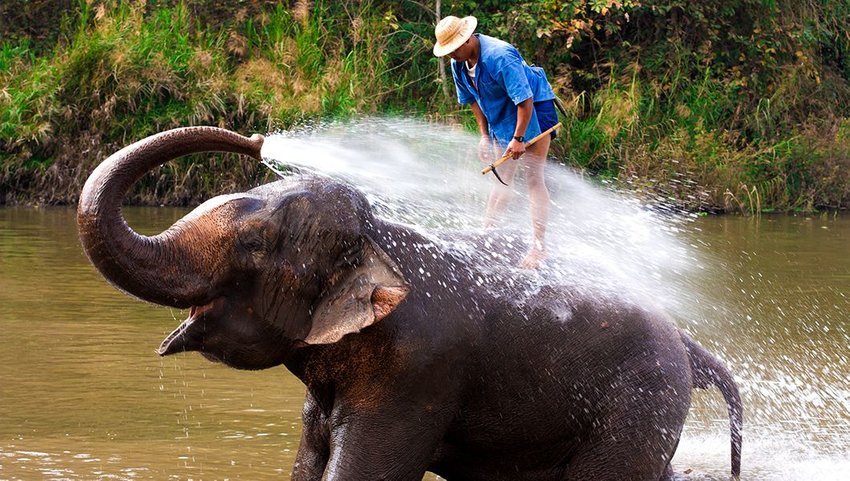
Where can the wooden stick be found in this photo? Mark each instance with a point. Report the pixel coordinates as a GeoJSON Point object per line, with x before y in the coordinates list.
{"type": "Point", "coordinates": [530, 142]}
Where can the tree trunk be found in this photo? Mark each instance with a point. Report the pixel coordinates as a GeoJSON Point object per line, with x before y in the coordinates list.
{"type": "Point", "coordinates": [442, 61]}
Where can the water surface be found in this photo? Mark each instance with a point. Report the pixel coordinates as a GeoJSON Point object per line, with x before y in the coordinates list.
{"type": "Point", "coordinates": [83, 396]}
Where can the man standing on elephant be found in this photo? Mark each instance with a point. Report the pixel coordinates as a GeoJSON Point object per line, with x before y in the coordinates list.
{"type": "Point", "coordinates": [512, 103]}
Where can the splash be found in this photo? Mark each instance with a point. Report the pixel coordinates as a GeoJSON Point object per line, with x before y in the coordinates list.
{"type": "Point", "coordinates": [429, 175]}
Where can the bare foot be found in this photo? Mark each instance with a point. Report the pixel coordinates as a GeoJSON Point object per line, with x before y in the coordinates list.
{"type": "Point", "coordinates": [533, 259]}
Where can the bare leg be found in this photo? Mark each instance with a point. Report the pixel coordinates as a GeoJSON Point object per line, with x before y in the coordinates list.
{"type": "Point", "coordinates": [538, 194]}
{"type": "Point", "coordinates": [501, 195]}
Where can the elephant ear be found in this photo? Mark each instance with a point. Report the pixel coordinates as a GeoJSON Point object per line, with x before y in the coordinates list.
{"type": "Point", "coordinates": [361, 297]}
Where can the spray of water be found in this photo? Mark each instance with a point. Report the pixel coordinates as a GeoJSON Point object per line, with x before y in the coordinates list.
{"type": "Point", "coordinates": [428, 176]}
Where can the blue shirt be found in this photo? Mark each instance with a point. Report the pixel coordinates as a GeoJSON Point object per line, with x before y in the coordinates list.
{"type": "Point", "coordinates": [503, 81]}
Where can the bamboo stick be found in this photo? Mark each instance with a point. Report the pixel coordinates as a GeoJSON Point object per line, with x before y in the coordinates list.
{"type": "Point", "coordinates": [530, 142]}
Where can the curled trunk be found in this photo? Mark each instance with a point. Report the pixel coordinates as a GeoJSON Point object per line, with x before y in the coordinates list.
{"type": "Point", "coordinates": [177, 267]}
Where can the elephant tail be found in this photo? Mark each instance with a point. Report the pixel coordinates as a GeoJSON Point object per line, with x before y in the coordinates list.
{"type": "Point", "coordinates": [709, 371]}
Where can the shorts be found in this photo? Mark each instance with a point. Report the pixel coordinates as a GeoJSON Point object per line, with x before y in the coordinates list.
{"type": "Point", "coordinates": [547, 116]}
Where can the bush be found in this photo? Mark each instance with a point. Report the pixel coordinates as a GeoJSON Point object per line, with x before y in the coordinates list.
{"type": "Point", "coordinates": [729, 104]}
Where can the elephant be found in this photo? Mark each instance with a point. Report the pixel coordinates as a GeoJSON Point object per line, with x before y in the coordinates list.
{"type": "Point", "coordinates": [415, 357]}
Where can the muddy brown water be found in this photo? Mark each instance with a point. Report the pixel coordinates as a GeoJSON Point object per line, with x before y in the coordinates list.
{"type": "Point", "coordinates": [84, 396]}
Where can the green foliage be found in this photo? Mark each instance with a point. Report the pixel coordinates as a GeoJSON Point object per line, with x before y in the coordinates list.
{"type": "Point", "coordinates": [124, 72]}
{"type": "Point", "coordinates": [728, 104]}
{"type": "Point", "coordinates": [726, 94]}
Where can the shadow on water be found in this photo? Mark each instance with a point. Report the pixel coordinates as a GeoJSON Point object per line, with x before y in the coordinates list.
{"type": "Point", "coordinates": [83, 395]}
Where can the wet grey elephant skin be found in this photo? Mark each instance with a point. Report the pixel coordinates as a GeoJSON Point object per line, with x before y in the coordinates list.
{"type": "Point", "coordinates": [414, 357]}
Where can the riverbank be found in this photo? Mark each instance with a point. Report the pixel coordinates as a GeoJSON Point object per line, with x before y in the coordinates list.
{"type": "Point", "coordinates": [725, 106]}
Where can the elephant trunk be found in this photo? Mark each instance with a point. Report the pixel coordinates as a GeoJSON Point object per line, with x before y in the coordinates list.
{"type": "Point", "coordinates": [172, 268]}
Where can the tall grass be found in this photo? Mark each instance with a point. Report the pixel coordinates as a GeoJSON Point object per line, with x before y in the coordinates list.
{"type": "Point", "coordinates": [124, 73]}
{"type": "Point", "coordinates": [667, 138]}
{"type": "Point", "coordinates": [724, 105]}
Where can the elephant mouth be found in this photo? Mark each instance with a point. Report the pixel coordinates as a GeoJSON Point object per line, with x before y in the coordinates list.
{"type": "Point", "coordinates": [180, 340]}
{"type": "Point", "coordinates": [176, 341]}
{"type": "Point", "coordinates": [190, 334]}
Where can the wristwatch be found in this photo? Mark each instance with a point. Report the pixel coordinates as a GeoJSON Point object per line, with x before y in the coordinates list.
{"type": "Point", "coordinates": [519, 138]}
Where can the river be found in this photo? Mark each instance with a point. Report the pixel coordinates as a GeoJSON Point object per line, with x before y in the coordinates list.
{"type": "Point", "coordinates": [84, 396]}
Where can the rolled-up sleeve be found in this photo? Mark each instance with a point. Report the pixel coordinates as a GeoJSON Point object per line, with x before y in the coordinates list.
{"type": "Point", "coordinates": [515, 82]}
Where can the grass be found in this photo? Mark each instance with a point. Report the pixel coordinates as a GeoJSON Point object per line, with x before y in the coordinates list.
{"type": "Point", "coordinates": [718, 116]}
{"type": "Point", "coordinates": [125, 73]}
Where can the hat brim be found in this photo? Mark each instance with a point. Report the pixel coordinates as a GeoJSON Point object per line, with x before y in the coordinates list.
{"type": "Point", "coordinates": [466, 31]}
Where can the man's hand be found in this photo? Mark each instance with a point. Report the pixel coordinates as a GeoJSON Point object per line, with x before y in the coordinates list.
{"type": "Point", "coordinates": [485, 150]}
{"type": "Point", "coordinates": [515, 148]}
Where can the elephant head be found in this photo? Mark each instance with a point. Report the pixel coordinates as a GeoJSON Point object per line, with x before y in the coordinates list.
{"type": "Point", "coordinates": [283, 265]}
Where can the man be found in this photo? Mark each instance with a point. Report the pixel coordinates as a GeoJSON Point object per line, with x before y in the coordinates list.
{"type": "Point", "coordinates": [512, 103]}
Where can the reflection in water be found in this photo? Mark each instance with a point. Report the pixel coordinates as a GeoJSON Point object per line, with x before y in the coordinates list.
{"type": "Point", "coordinates": [84, 396]}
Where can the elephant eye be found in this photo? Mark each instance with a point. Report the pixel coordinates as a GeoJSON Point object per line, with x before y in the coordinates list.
{"type": "Point", "coordinates": [252, 242]}
{"type": "Point", "coordinates": [351, 255]}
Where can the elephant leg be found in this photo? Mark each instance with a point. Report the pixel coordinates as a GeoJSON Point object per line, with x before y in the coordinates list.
{"type": "Point", "coordinates": [638, 432]}
{"type": "Point", "coordinates": [394, 445]}
{"type": "Point", "coordinates": [314, 450]}
{"type": "Point", "coordinates": [668, 474]}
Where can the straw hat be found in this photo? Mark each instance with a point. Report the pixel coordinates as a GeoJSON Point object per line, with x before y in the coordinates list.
{"type": "Point", "coordinates": [452, 32]}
